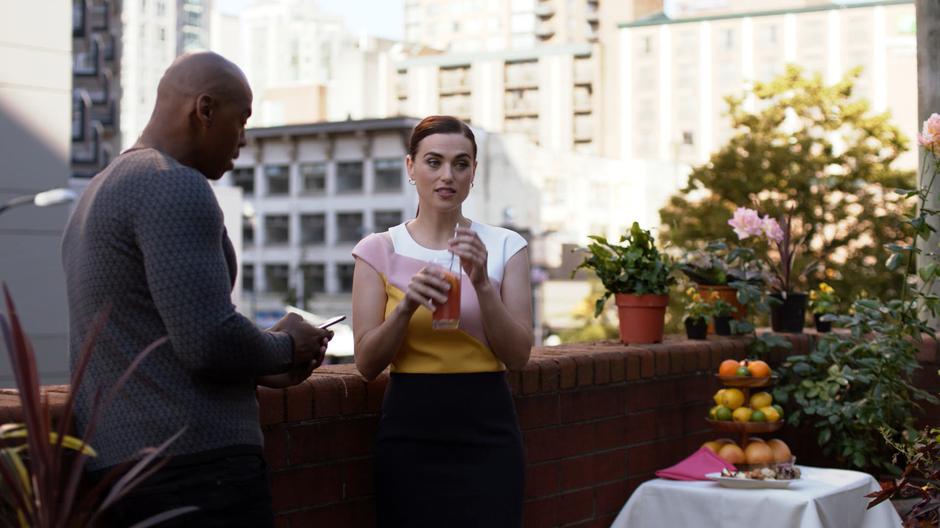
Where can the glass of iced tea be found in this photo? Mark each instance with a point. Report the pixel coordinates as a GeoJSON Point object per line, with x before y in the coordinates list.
{"type": "Point", "coordinates": [447, 315]}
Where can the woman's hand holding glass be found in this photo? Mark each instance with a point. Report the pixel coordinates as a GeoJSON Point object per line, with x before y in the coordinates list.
{"type": "Point", "coordinates": [467, 245]}
{"type": "Point", "coordinates": [429, 288]}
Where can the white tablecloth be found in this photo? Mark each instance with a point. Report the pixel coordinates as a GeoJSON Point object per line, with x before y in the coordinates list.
{"type": "Point", "coordinates": [822, 498]}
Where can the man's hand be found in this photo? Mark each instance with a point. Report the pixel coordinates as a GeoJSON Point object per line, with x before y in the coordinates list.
{"type": "Point", "coordinates": [310, 342]}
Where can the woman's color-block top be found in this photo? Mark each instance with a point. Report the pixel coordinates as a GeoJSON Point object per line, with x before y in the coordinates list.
{"type": "Point", "coordinates": [397, 257]}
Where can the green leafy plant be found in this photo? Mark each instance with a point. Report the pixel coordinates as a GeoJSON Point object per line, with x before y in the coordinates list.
{"type": "Point", "coordinates": [717, 264]}
{"type": "Point", "coordinates": [634, 265]}
{"type": "Point", "coordinates": [823, 300]}
{"type": "Point", "coordinates": [856, 390]}
{"type": "Point", "coordinates": [699, 307]}
{"type": "Point", "coordinates": [757, 303]}
{"type": "Point", "coordinates": [849, 387]}
{"type": "Point", "coordinates": [41, 465]}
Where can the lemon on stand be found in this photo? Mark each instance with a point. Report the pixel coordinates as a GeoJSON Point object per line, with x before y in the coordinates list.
{"type": "Point", "coordinates": [770, 413]}
{"type": "Point", "coordinates": [761, 399]}
{"type": "Point", "coordinates": [742, 414]}
{"type": "Point", "coordinates": [718, 396]}
{"type": "Point", "coordinates": [732, 398]}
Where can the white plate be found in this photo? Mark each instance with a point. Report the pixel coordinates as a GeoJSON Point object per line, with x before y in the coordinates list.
{"type": "Point", "coordinates": [730, 482]}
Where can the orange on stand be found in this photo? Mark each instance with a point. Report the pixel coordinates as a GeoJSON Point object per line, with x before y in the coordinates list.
{"type": "Point", "coordinates": [728, 367]}
{"type": "Point", "coordinates": [758, 368]}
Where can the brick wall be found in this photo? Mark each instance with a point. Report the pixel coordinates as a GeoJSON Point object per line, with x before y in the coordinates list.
{"type": "Point", "coordinates": [598, 419]}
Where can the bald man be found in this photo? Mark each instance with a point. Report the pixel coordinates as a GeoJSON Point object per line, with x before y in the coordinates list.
{"type": "Point", "coordinates": [147, 239]}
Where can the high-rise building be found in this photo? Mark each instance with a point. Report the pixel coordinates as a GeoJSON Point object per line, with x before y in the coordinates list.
{"type": "Point", "coordinates": [497, 25]}
{"type": "Point", "coordinates": [676, 72]}
{"type": "Point", "coordinates": [193, 20]}
{"type": "Point", "coordinates": [96, 84]}
{"type": "Point", "coordinates": [155, 33]}
{"type": "Point", "coordinates": [288, 43]}
{"type": "Point", "coordinates": [35, 105]}
{"type": "Point", "coordinates": [547, 93]}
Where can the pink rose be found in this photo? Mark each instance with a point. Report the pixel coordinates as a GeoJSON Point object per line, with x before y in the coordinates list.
{"type": "Point", "coordinates": [746, 223]}
{"type": "Point", "coordinates": [930, 135]}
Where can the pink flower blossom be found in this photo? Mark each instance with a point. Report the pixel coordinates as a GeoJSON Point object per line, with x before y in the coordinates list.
{"type": "Point", "coordinates": [771, 229]}
{"type": "Point", "coordinates": [930, 135]}
{"type": "Point", "coordinates": [746, 223]}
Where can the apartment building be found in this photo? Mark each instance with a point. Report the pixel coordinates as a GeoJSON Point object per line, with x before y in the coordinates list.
{"type": "Point", "coordinates": [497, 25]}
{"type": "Point", "coordinates": [675, 72]}
{"type": "Point", "coordinates": [155, 32]}
{"type": "Point", "coordinates": [546, 93]}
{"type": "Point", "coordinates": [96, 85]}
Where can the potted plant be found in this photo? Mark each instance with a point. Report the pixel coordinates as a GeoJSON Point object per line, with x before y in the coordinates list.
{"type": "Point", "coordinates": [638, 275]}
{"type": "Point", "coordinates": [788, 307]}
{"type": "Point", "coordinates": [722, 313]}
{"type": "Point", "coordinates": [822, 302]}
{"type": "Point", "coordinates": [41, 463]}
{"type": "Point", "coordinates": [716, 267]}
{"type": "Point", "coordinates": [697, 313]}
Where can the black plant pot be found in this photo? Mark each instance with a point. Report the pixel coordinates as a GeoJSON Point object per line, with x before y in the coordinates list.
{"type": "Point", "coordinates": [696, 328]}
{"type": "Point", "coordinates": [822, 326]}
{"type": "Point", "coordinates": [723, 325]}
{"type": "Point", "coordinates": [788, 315]}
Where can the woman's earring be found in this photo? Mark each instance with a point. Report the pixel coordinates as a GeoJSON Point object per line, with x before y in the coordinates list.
{"type": "Point", "coordinates": [412, 182]}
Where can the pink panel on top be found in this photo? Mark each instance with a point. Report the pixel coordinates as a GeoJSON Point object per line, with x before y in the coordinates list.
{"type": "Point", "coordinates": [376, 250]}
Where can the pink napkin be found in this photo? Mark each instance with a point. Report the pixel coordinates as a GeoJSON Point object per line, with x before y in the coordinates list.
{"type": "Point", "coordinates": [695, 466]}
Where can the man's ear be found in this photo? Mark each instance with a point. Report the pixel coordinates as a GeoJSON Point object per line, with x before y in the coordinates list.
{"type": "Point", "coordinates": [205, 109]}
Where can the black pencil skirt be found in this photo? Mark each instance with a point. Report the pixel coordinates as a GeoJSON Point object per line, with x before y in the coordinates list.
{"type": "Point", "coordinates": [449, 452]}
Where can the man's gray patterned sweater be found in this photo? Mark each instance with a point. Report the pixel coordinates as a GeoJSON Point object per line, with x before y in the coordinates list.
{"type": "Point", "coordinates": [147, 238]}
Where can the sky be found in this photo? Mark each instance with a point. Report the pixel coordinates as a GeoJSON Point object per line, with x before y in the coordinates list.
{"type": "Point", "coordinates": [381, 18]}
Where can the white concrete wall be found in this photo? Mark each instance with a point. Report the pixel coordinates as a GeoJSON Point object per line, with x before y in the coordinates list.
{"type": "Point", "coordinates": [35, 123]}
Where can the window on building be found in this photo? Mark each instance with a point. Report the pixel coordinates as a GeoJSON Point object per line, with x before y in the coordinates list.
{"type": "Point", "coordinates": [248, 231]}
{"type": "Point", "coordinates": [386, 219]}
{"type": "Point", "coordinates": [161, 34]}
{"type": "Point", "coordinates": [278, 179]}
{"type": "Point", "coordinates": [276, 229]}
{"type": "Point", "coordinates": [388, 174]}
{"type": "Point", "coordinates": [245, 178]}
{"type": "Point", "coordinates": [729, 39]}
{"type": "Point", "coordinates": [248, 277]}
{"type": "Point", "coordinates": [314, 278]}
{"type": "Point", "coordinates": [313, 177]}
{"type": "Point", "coordinates": [344, 276]}
{"type": "Point", "coordinates": [349, 227]}
{"type": "Point", "coordinates": [313, 228]}
{"type": "Point", "coordinates": [349, 176]}
{"type": "Point", "coordinates": [276, 277]}
{"type": "Point", "coordinates": [771, 34]}
{"type": "Point", "coordinates": [647, 45]}
{"type": "Point", "coordinates": [687, 137]}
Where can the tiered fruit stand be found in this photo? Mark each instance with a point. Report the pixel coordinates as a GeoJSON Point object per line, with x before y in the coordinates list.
{"type": "Point", "coordinates": [745, 429]}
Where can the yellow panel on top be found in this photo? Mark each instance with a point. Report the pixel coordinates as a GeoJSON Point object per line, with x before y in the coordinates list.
{"type": "Point", "coordinates": [425, 350]}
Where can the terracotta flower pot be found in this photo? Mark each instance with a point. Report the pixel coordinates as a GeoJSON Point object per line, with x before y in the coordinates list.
{"type": "Point", "coordinates": [641, 317]}
{"type": "Point", "coordinates": [696, 328]}
{"type": "Point", "coordinates": [725, 293]}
